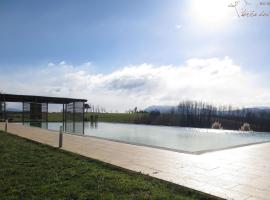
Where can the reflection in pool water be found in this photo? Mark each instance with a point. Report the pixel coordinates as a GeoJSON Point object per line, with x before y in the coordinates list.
{"type": "Point", "coordinates": [176, 138]}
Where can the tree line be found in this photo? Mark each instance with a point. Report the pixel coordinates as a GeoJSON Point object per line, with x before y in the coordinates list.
{"type": "Point", "coordinates": [203, 115]}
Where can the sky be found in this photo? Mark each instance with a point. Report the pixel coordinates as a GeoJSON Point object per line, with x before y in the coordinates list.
{"type": "Point", "coordinates": [121, 54]}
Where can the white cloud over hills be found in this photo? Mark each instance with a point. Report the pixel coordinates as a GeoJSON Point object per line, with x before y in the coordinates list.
{"type": "Point", "coordinates": [214, 80]}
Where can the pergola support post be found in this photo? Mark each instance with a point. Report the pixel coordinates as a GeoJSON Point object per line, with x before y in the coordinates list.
{"type": "Point", "coordinates": [61, 137]}
{"type": "Point", "coordinates": [63, 117]}
{"type": "Point", "coordinates": [6, 125]}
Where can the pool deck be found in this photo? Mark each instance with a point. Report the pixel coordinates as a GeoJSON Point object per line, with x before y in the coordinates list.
{"type": "Point", "coordinates": [239, 173]}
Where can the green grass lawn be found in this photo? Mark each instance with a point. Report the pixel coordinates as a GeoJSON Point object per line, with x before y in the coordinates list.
{"type": "Point", "coordinates": [104, 117]}
{"type": "Point", "coordinates": [29, 170]}
{"type": "Point", "coordinates": [117, 117]}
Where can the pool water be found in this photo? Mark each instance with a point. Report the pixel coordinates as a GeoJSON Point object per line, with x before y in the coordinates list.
{"type": "Point", "coordinates": [191, 140]}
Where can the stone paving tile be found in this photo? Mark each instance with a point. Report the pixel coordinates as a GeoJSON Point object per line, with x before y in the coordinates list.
{"type": "Point", "coordinates": [225, 193]}
{"type": "Point", "coordinates": [39, 135]}
{"type": "Point", "coordinates": [257, 198]}
{"type": "Point", "coordinates": [239, 174]}
{"type": "Point", "coordinates": [252, 190]}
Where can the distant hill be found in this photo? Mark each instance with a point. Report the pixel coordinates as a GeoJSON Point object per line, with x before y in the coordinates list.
{"type": "Point", "coordinates": [167, 109]}
{"type": "Point", "coordinates": [162, 109]}
{"type": "Point", "coordinates": [260, 108]}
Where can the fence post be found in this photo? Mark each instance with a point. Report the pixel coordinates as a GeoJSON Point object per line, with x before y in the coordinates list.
{"type": "Point", "coordinates": [61, 137]}
{"type": "Point", "coordinates": [6, 125]}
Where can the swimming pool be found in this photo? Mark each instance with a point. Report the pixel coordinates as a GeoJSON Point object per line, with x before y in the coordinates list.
{"type": "Point", "coordinates": [190, 140]}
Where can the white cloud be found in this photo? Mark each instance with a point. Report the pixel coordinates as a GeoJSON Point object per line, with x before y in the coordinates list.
{"type": "Point", "coordinates": [215, 80]}
{"type": "Point", "coordinates": [178, 26]}
{"type": "Point", "coordinates": [62, 62]}
{"type": "Point", "coordinates": [51, 64]}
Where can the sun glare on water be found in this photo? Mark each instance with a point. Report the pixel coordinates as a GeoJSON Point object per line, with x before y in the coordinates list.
{"type": "Point", "coordinates": [210, 13]}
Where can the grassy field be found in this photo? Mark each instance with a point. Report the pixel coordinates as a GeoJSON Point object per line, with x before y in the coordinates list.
{"type": "Point", "coordinates": [118, 117]}
{"type": "Point", "coordinates": [104, 117]}
{"type": "Point", "coordinates": [30, 170]}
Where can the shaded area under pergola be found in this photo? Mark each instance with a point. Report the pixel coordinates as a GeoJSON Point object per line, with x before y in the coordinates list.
{"type": "Point", "coordinates": [35, 110]}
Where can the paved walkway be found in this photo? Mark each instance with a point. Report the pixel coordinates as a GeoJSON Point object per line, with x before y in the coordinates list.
{"type": "Point", "coordinates": [240, 173]}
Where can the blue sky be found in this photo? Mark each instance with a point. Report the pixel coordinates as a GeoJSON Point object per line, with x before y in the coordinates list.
{"type": "Point", "coordinates": [104, 37]}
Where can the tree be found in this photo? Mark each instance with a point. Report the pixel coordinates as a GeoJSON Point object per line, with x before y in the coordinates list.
{"type": "Point", "coordinates": [86, 107]}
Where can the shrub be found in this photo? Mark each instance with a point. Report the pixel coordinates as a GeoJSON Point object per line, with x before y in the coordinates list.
{"type": "Point", "coordinates": [245, 127]}
{"type": "Point", "coordinates": [216, 125]}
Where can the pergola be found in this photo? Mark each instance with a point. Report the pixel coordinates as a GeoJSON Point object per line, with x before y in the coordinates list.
{"type": "Point", "coordinates": [35, 110]}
